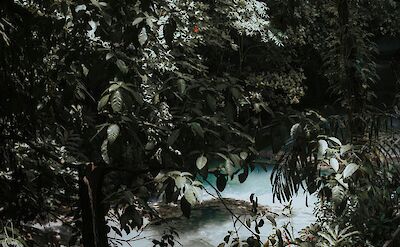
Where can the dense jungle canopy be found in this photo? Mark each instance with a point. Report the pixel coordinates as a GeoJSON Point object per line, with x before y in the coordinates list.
{"type": "Point", "coordinates": [106, 105]}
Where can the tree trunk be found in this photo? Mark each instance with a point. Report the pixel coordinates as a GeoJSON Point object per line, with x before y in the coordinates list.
{"type": "Point", "coordinates": [94, 227]}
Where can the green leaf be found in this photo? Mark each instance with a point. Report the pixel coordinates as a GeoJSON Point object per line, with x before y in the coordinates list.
{"type": "Point", "coordinates": [180, 181]}
{"type": "Point", "coordinates": [235, 159]}
{"type": "Point", "coordinates": [243, 155]}
{"type": "Point", "coordinates": [137, 21]}
{"type": "Point", "coordinates": [114, 86]}
{"type": "Point", "coordinates": [190, 195]}
{"type": "Point", "coordinates": [112, 133]}
{"type": "Point", "coordinates": [243, 176]}
{"type": "Point", "coordinates": [271, 219]}
{"type": "Point", "coordinates": [85, 70]}
{"type": "Point", "coordinates": [345, 148]}
{"type": "Point", "coordinates": [104, 151]}
{"type": "Point", "coordinates": [142, 36]}
{"type": "Point", "coordinates": [135, 94]}
{"type": "Point", "coordinates": [103, 101]}
{"type": "Point", "coordinates": [116, 101]}
{"type": "Point", "coordinates": [334, 164]}
{"type": "Point", "coordinates": [138, 97]}
{"type": "Point", "coordinates": [350, 169]}
{"type": "Point", "coordinates": [322, 147]}
{"type": "Point", "coordinates": [181, 86]}
{"type": "Point", "coordinates": [109, 56]}
{"type": "Point", "coordinates": [201, 162]}
{"type": "Point", "coordinates": [185, 207]}
{"type": "Point", "coordinates": [197, 129]}
{"type": "Point", "coordinates": [173, 137]}
{"type": "Point", "coordinates": [328, 238]}
{"type": "Point", "coordinates": [338, 194]}
{"type": "Point", "coordinates": [248, 222]}
{"type": "Point", "coordinates": [221, 182]}
{"type": "Point", "coordinates": [230, 169]}
{"type": "Point", "coordinates": [122, 66]}
{"type": "Point", "coordinates": [335, 140]}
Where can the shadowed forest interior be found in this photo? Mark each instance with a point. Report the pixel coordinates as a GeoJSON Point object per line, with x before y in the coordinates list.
{"type": "Point", "coordinates": [198, 123]}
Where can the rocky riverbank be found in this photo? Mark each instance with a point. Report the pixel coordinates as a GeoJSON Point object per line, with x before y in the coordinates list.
{"type": "Point", "coordinates": [238, 207]}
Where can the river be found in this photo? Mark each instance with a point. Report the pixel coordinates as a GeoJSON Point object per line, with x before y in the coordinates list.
{"type": "Point", "coordinates": [208, 226]}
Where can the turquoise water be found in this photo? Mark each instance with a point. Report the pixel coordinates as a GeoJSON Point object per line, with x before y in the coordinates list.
{"type": "Point", "coordinates": [208, 226]}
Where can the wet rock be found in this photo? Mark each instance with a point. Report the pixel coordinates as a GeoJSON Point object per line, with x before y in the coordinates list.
{"type": "Point", "coordinates": [215, 206]}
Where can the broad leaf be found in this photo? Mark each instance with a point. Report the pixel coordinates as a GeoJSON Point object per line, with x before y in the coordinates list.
{"type": "Point", "coordinates": [230, 169]}
{"type": "Point", "coordinates": [201, 162]}
{"type": "Point", "coordinates": [243, 176]}
{"type": "Point", "coordinates": [172, 138]}
{"type": "Point", "coordinates": [350, 169]}
{"type": "Point", "coordinates": [345, 148]}
{"type": "Point", "coordinates": [197, 129]}
{"type": "Point", "coordinates": [103, 101]}
{"type": "Point", "coordinates": [221, 182]}
{"type": "Point", "coordinates": [335, 140]}
{"type": "Point", "coordinates": [181, 86]}
{"type": "Point", "coordinates": [112, 133]}
{"type": "Point", "coordinates": [244, 155]}
{"type": "Point", "coordinates": [190, 195]}
{"type": "Point", "coordinates": [185, 207]}
{"type": "Point", "coordinates": [322, 147]}
{"type": "Point", "coordinates": [104, 151]}
{"type": "Point", "coordinates": [334, 163]}
{"type": "Point", "coordinates": [137, 21]}
{"type": "Point", "coordinates": [180, 181]}
{"type": "Point", "coordinates": [142, 36]}
{"type": "Point", "coordinates": [122, 66]}
{"type": "Point", "coordinates": [116, 101]}
{"type": "Point", "coordinates": [338, 194]}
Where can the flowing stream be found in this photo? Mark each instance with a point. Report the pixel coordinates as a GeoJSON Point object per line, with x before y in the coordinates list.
{"type": "Point", "coordinates": [208, 226]}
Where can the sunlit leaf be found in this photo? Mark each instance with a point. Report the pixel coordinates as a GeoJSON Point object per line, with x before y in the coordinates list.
{"type": "Point", "coordinates": [112, 133]}
{"type": "Point", "coordinates": [201, 162]}
{"type": "Point", "coordinates": [142, 36]}
{"type": "Point", "coordinates": [337, 194]}
{"type": "Point", "coordinates": [230, 169]}
{"type": "Point", "coordinates": [345, 148]}
{"type": "Point", "coordinates": [180, 181]}
{"type": "Point", "coordinates": [334, 163]}
{"type": "Point", "coordinates": [243, 155]}
{"type": "Point", "coordinates": [109, 56]}
{"type": "Point", "coordinates": [322, 147]}
{"type": "Point", "coordinates": [335, 140]}
{"type": "Point", "coordinates": [104, 151]}
{"type": "Point", "coordinates": [190, 195]}
{"type": "Point", "coordinates": [116, 101]}
{"type": "Point", "coordinates": [350, 169]}
{"type": "Point", "coordinates": [137, 21]}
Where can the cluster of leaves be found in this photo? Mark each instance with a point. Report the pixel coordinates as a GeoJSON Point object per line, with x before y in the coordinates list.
{"type": "Point", "coordinates": [356, 183]}
{"type": "Point", "coordinates": [134, 88]}
{"type": "Point", "coordinates": [9, 236]}
{"type": "Point", "coordinates": [146, 87]}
